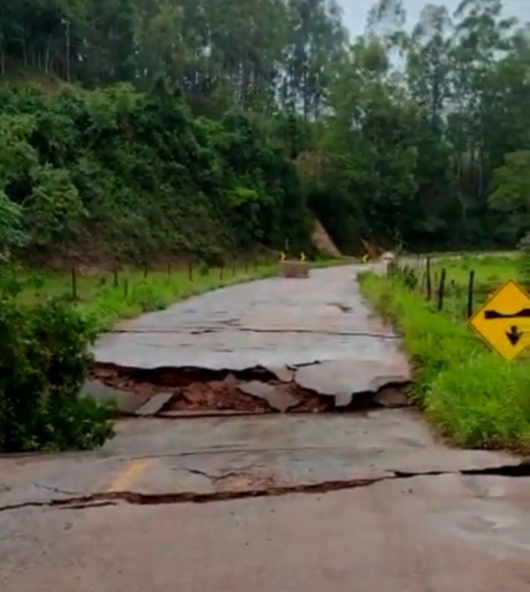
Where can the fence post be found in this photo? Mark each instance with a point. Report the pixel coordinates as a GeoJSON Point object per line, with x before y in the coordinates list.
{"type": "Point", "coordinates": [470, 290]}
{"type": "Point", "coordinates": [441, 290]}
{"type": "Point", "coordinates": [428, 279]}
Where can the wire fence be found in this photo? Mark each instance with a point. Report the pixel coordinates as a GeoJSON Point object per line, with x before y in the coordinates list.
{"type": "Point", "coordinates": [434, 283]}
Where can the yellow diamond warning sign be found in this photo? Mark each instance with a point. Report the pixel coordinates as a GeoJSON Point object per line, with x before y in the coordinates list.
{"type": "Point", "coordinates": [503, 321]}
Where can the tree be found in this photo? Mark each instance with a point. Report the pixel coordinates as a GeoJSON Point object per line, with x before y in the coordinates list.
{"type": "Point", "coordinates": [511, 191]}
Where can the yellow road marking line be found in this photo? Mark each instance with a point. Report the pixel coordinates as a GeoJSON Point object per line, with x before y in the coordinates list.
{"type": "Point", "coordinates": [127, 476]}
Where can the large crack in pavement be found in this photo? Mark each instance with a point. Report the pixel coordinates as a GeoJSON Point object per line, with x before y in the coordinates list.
{"type": "Point", "coordinates": [182, 392]}
{"type": "Point", "coordinates": [206, 330]}
{"type": "Point", "coordinates": [99, 499]}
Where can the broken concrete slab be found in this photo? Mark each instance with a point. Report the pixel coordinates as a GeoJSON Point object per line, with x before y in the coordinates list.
{"type": "Point", "coordinates": [282, 373]}
{"type": "Point", "coordinates": [386, 380]}
{"type": "Point", "coordinates": [279, 400]}
{"type": "Point", "coordinates": [342, 379]}
{"type": "Point", "coordinates": [126, 402]}
{"type": "Point", "coordinates": [154, 405]}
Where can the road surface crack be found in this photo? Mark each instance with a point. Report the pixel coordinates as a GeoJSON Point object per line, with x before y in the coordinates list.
{"type": "Point", "coordinates": [136, 498]}
{"type": "Point", "coordinates": [283, 330]}
{"type": "Point", "coordinates": [55, 489]}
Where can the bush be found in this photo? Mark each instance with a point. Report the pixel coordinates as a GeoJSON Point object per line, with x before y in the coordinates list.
{"type": "Point", "coordinates": [44, 358]}
{"type": "Point", "coordinates": [472, 395]}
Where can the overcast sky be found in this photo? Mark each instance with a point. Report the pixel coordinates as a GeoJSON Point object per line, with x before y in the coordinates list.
{"type": "Point", "coordinates": [355, 11]}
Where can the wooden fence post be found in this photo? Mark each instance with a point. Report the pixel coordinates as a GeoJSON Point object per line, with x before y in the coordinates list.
{"type": "Point", "coordinates": [470, 290]}
{"type": "Point", "coordinates": [428, 279]}
{"type": "Point", "coordinates": [441, 290]}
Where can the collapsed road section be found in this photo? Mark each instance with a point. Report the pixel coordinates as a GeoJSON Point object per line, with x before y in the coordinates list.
{"type": "Point", "coordinates": [275, 345]}
{"type": "Point", "coordinates": [194, 392]}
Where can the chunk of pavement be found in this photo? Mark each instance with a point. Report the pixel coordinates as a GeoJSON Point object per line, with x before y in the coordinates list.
{"type": "Point", "coordinates": [277, 399]}
{"type": "Point", "coordinates": [391, 397]}
{"type": "Point", "coordinates": [343, 379]}
{"type": "Point", "coordinates": [282, 373]}
{"type": "Point", "coordinates": [155, 404]}
{"type": "Point", "coordinates": [385, 380]}
{"type": "Point", "coordinates": [126, 402]}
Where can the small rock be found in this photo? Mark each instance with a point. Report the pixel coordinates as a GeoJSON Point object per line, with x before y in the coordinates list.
{"type": "Point", "coordinates": [391, 397]}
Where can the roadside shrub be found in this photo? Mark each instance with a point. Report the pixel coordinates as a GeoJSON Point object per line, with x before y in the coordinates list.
{"type": "Point", "coordinates": [44, 358]}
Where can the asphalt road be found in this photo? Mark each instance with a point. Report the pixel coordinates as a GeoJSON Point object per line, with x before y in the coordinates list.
{"type": "Point", "coordinates": [302, 502]}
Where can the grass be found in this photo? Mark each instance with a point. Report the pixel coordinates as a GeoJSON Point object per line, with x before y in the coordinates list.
{"type": "Point", "coordinates": [105, 301]}
{"type": "Point", "coordinates": [476, 398]}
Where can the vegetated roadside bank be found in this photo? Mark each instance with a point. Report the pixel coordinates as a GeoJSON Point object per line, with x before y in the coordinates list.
{"type": "Point", "coordinates": [476, 398]}
{"type": "Point", "coordinates": [122, 176]}
{"type": "Point", "coordinates": [104, 297]}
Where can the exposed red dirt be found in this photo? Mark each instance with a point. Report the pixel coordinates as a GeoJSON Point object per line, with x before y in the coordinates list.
{"type": "Point", "coordinates": [190, 393]}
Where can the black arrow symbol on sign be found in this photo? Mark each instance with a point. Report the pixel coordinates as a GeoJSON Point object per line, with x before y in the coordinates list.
{"type": "Point", "coordinates": [514, 335]}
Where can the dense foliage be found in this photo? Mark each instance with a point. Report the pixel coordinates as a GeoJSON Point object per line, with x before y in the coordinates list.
{"type": "Point", "coordinates": [208, 125]}
{"type": "Point", "coordinates": [43, 362]}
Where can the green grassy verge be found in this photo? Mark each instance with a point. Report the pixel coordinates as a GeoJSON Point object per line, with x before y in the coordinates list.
{"type": "Point", "coordinates": [475, 397]}
{"type": "Point", "coordinates": [106, 300]}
